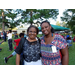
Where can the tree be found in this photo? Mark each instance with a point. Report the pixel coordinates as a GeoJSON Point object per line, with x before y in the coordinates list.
{"type": "Point", "coordinates": [3, 17]}
{"type": "Point", "coordinates": [29, 15]}
{"type": "Point", "coordinates": [63, 24]}
{"type": "Point", "coordinates": [13, 17]}
{"type": "Point", "coordinates": [57, 23]}
{"type": "Point", "coordinates": [69, 17]}
{"type": "Point", "coordinates": [7, 17]}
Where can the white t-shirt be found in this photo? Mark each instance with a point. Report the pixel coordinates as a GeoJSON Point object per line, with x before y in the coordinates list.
{"type": "Point", "coordinates": [9, 36]}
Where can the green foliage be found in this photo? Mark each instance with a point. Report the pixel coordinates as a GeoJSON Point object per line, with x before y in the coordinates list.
{"type": "Point", "coordinates": [57, 23]}
{"type": "Point", "coordinates": [13, 17]}
{"type": "Point", "coordinates": [9, 17]}
{"type": "Point", "coordinates": [31, 14]}
{"type": "Point", "coordinates": [69, 17]}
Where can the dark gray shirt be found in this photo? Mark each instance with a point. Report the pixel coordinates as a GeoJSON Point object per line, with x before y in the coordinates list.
{"type": "Point", "coordinates": [31, 50]}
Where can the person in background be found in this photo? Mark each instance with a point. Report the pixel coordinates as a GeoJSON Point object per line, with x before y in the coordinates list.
{"type": "Point", "coordinates": [74, 39]}
{"type": "Point", "coordinates": [0, 35]}
{"type": "Point", "coordinates": [16, 43]}
{"type": "Point", "coordinates": [16, 35]}
{"type": "Point", "coordinates": [9, 36]}
{"type": "Point", "coordinates": [1, 43]}
{"type": "Point", "coordinates": [4, 33]}
{"type": "Point", "coordinates": [25, 35]}
{"type": "Point", "coordinates": [67, 36]}
{"type": "Point", "coordinates": [51, 43]}
{"type": "Point", "coordinates": [69, 41]}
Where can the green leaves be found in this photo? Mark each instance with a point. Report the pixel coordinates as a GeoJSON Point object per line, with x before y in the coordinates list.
{"type": "Point", "coordinates": [15, 16]}
{"type": "Point", "coordinates": [32, 14]}
{"type": "Point", "coordinates": [69, 17]}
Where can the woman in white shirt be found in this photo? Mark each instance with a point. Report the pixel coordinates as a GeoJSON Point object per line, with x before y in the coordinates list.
{"type": "Point", "coordinates": [9, 35]}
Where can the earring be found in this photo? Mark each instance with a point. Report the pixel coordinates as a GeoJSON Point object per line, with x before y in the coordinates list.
{"type": "Point", "coordinates": [52, 34]}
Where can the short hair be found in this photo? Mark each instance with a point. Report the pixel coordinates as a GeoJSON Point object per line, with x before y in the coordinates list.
{"type": "Point", "coordinates": [10, 31]}
{"type": "Point", "coordinates": [32, 26]}
{"type": "Point", "coordinates": [46, 21]}
{"type": "Point", "coordinates": [21, 34]}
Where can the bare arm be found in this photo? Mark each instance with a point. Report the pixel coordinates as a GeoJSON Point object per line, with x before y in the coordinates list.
{"type": "Point", "coordinates": [17, 59]}
{"type": "Point", "coordinates": [65, 56]}
{"type": "Point", "coordinates": [14, 43]}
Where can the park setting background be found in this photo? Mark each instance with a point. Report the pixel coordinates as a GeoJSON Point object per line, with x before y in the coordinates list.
{"type": "Point", "coordinates": [69, 22]}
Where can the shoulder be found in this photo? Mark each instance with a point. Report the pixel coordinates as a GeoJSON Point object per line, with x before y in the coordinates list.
{"type": "Point", "coordinates": [59, 36]}
{"type": "Point", "coordinates": [10, 34]}
{"type": "Point", "coordinates": [17, 39]}
{"type": "Point", "coordinates": [41, 37]}
{"type": "Point", "coordinates": [24, 38]}
{"type": "Point", "coordinates": [60, 41]}
{"type": "Point", "coordinates": [38, 39]}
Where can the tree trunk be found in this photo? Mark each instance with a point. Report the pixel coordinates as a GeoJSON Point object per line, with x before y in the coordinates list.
{"type": "Point", "coordinates": [3, 25]}
{"type": "Point", "coordinates": [31, 16]}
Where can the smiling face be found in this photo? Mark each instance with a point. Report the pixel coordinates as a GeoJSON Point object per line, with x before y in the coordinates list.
{"type": "Point", "coordinates": [46, 28]}
{"type": "Point", "coordinates": [32, 33]}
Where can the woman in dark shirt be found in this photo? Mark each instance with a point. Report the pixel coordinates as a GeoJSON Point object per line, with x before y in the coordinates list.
{"type": "Point", "coordinates": [30, 46]}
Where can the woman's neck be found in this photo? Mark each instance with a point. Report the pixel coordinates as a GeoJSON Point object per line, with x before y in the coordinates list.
{"type": "Point", "coordinates": [49, 35]}
{"type": "Point", "coordinates": [49, 38]}
{"type": "Point", "coordinates": [31, 40]}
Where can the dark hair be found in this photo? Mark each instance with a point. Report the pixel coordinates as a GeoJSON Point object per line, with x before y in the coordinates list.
{"type": "Point", "coordinates": [33, 27]}
{"type": "Point", "coordinates": [10, 31]}
{"type": "Point", "coordinates": [46, 21]}
{"type": "Point", "coordinates": [21, 34]}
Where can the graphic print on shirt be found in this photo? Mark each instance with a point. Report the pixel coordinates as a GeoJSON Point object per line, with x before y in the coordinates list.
{"type": "Point", "coordinates": [50, 52]}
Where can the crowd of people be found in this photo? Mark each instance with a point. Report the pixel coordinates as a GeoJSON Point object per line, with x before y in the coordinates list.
{"type": "Point", "coordinates": [69, 39]}
{"type": "Point", "coordinates": [50, 49]}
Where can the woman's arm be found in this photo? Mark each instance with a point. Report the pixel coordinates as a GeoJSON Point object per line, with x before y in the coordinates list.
{"type": "Point", "coordinates": [65, 56]}
{"type": "Point", "coordinates": [17, 59]}
{"type": "Point", "coordinates": [19, 50]}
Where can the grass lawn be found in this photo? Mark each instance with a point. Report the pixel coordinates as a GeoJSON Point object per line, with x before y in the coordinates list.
{"type": "Point", "coordinates": [12, 60]}
{"type": "Point", "coordinates": [72, 54]}
{"type": "Point", "coordinates": [5, 53]}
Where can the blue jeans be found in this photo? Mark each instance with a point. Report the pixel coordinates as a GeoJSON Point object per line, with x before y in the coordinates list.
{"type": "Point", "coordinates": [10, 44]}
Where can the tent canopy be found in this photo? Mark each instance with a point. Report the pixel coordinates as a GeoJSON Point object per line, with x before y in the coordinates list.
{"type": "Point", "coordinates": [57, 28]}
